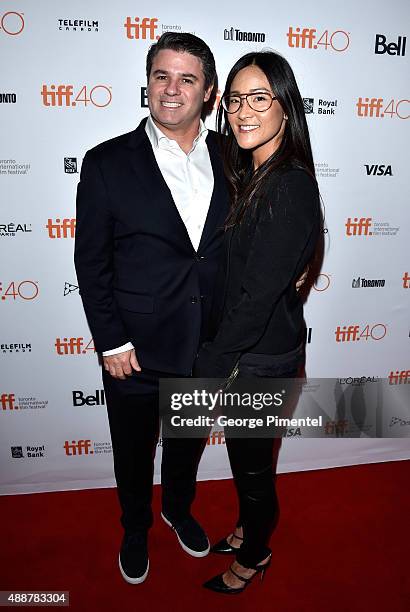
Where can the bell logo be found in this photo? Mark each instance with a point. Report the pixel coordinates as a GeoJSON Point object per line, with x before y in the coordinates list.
{"type": "Point", "coordinates": [398, 48]}
{"type": "Point", "coordinates": [136, 30]}
{"type": "Point", "coordinates": [359, 227]}
{"type": "Point", "coordinates": [406, 281]}
{"type": "Point", "coordinates": [12, 23]}
{"type": "Point", "coordinates": [7, 401]}
{"type": "Point", "coordinates": [61, 228]}
{"type": "Point", "coordinates": [399, 378]}
{"type": "Point", "coordinates": [73, 346]}
{"type": "Point", "coordinates": [80, 447]}
{"type": "Point", "coordinates": [90, 400]}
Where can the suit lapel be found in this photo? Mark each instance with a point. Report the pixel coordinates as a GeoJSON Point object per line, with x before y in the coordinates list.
{"type": "Point", "coordinates": [149, 175]}
{"type": "Point", "coordinates": [218, 206]}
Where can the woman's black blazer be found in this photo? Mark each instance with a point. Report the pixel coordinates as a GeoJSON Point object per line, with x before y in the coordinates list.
{"type": "Point", "coordinates": [256, 302]}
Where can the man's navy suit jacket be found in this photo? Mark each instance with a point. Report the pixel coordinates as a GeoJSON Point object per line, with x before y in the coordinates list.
{"type": "Point", "coordinates": [140, 278]}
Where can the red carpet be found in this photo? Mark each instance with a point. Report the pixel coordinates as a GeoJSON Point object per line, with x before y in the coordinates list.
{"type": "Point", "coordinates": [342, 544]}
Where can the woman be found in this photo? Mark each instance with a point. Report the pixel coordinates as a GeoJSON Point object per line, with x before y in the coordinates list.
{"type": "Point", "coordinates": [272, 232]}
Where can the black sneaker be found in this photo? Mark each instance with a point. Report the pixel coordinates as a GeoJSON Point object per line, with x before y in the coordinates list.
{"type": "Point", "coordinates": [133, 558]}
{"type": "Point", "coordinates": [191, 536]}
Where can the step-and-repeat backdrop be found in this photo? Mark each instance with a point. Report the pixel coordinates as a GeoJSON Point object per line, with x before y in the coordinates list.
{"type": "Point", "coordinates": [73, 75]}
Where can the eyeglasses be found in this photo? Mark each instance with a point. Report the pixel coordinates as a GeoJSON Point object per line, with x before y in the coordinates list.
{"type": "Point", "coordinates": [259, 101]}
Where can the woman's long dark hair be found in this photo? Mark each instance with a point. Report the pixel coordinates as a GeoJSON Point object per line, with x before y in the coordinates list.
{"type": "Point", "coordinates": [295, 149]}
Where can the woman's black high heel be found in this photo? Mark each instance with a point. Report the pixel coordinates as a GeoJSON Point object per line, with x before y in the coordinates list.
{"type": "Point", "coordinates": [218, 585]}
{"type": "Point", "coordinates": [224, 548]}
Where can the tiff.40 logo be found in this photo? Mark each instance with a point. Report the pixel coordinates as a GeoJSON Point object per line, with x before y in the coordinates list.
{"type": "Point", "coordinates": [352, 333]}
{"type": "Point", "coordinates": [63, 95]}
{"type": "Point", "coordinates": [74, 346]}
{"type": "Point", "coordinates": [61, 228]}
{"type": "Point", "coordinates": [12, 23]}
{"type": "Point", "coordinates": [376, 108]}
{"type": "Point", "coordinates": [308, 38]}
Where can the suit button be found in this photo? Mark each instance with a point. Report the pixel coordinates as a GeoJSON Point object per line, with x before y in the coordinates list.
{"type": "Point", "coordinates": [200, 257]}
{"type": "Point", "coordinates": [194, 299]}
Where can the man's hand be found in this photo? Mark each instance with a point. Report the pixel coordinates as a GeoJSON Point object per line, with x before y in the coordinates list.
{"type": "Point", "coordinates": [121, 365]}
{"type": "Point", "coordinates": [301, 281]}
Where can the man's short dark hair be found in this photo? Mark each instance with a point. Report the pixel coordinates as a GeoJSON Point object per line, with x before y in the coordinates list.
{"type": "Point", "coordinates": [188, 43]}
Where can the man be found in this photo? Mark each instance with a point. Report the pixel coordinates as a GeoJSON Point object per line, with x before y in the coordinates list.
{"type": "Point", "coordinates": [150, 209]}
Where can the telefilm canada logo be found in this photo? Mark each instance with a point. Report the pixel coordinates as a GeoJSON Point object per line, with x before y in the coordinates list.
{"type": "Point", "coordinates": [70, 165]}
{"type": "Point", "coordinates": [16, 347]}
{"type": "Point", "coordinates": [238, 35]}
{"type": "Point", "coordinates": [78, 25]}
{"type": "Point", "coordinates": [29, 452]}
{"type": "Point", "coordinates": [13, 229]}
{"type": "Point", "coordinates": [367, 282]}
{"type": "Point", "coordinates": [12, 23]}
{"type": "Point", "coordinates": [324, 107]}
{"type": "Point", "coordinates": [381, 46]}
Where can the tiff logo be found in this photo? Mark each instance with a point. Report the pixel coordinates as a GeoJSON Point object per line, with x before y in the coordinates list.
{"type": "Point", "coordinates": [61, 228]}
{"type": "Point", "coordinates": [7, 401]}
{"type": "Point", "coordinates": [73, 346]}
{"type": "Point", "coordinates": [347, 334]}
{"type": "Point", "coordinates": [367, 107]}
{"type": "Point", "coordinates": [61, 97]}
{"type": "Point", "coordinates": [399, 378]}
{"type": "Point", "coordinates": [81, 447]}
{"type": "Point", "coordinates": [136, 30]}
{"type": "Point", "coordinates": [216, 437]}
{"type": "Point", "coordinates": [301, 39]}
{"type": "Point", "coordinates": [406, 281]}
{"type": "Point", "coordinates": [338, 428]}
{"type": "Point", "coordinates": [359, 227]}
{"type": "Point", "coordinates": [398, 48]}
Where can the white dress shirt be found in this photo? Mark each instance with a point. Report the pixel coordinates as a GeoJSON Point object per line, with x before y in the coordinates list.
{"type": "Point", "coordinates": [190, 180]}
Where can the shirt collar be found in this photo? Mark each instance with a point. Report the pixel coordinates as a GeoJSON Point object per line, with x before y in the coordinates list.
{"type": "Point", "coordinates": [159, 140]}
